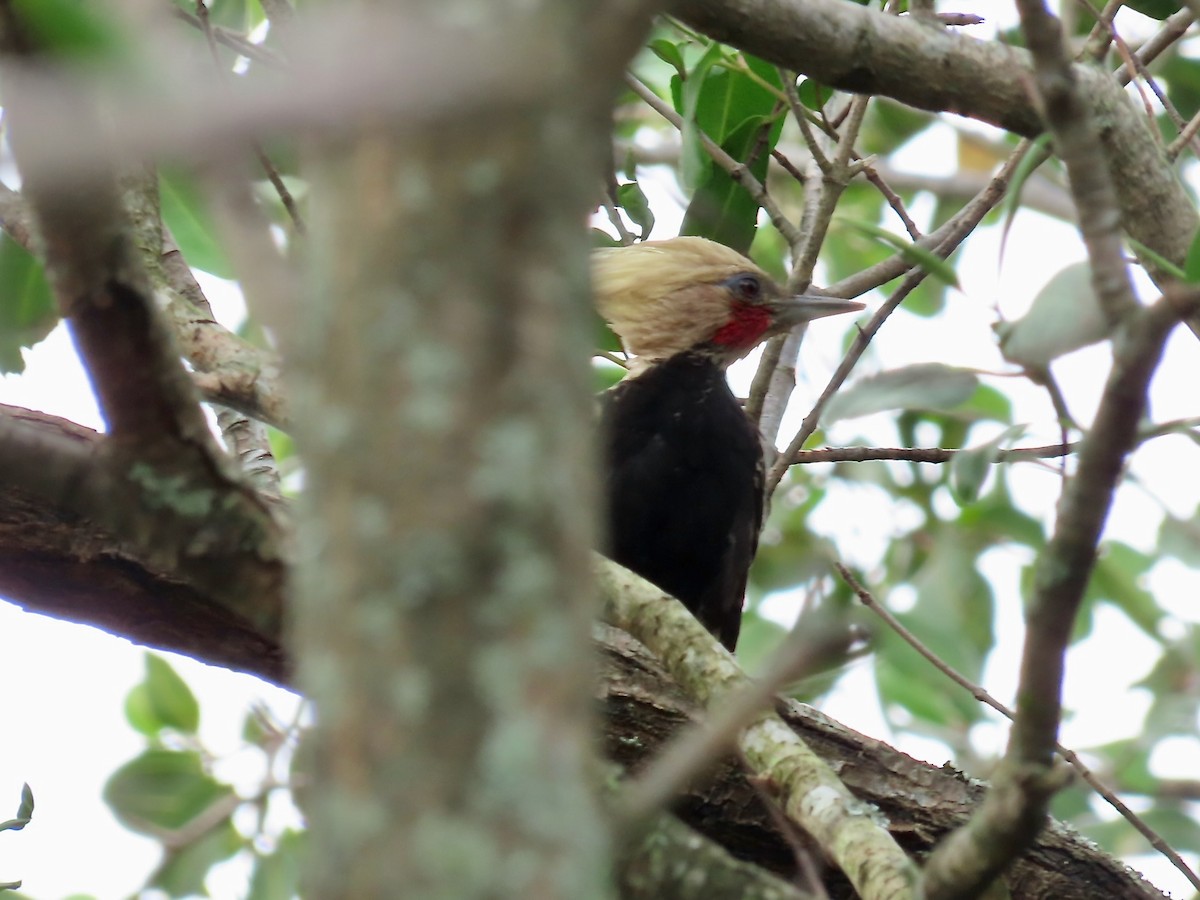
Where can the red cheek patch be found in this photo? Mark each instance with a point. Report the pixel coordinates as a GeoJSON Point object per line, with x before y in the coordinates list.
{"type": "Point", "coordinates": [745, 328]}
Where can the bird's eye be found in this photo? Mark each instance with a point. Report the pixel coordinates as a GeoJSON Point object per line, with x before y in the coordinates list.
{"type": "Point", "coordinates": [747, 287]}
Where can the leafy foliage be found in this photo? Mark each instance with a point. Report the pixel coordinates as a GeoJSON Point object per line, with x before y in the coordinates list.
{"type": "Point", "coordinates": [171, 792]}
{"type": "Point", "coordinates": [27, 309]}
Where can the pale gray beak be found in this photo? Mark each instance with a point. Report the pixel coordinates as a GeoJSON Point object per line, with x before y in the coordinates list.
{"type": "Point", "coordinates": [789, 312]}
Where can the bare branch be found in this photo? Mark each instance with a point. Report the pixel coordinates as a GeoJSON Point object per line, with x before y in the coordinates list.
{"type": "Point", "coordinates": [922, 454]}
{"type": "Point", "coordinates": [1015, 809]}
{"type": "Point", "coordinates": [1078, 144]}
{"type": "Point", "coordinates": [821, 199]}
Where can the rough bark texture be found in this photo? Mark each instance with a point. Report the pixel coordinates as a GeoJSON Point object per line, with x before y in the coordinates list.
{"type": "Point", "coordinates": [56, 563]}
{"type": "Point", "coordinates": [921, 802]}
{"type": "Point", "coordinates": [443, 408]}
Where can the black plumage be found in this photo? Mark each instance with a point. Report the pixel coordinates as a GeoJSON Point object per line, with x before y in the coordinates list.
{"type": "Point", "coordinates": [684, 486]}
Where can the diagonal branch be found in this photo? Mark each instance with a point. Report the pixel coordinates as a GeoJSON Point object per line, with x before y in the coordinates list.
{"type": "Point", "coordinates": [1075, 135]}
{"type": "Point", "coordinates": [1015, 809]}
{"type": "Point", "coordinates": [809, 792]}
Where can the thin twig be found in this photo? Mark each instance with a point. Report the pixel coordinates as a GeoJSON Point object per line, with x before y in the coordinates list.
{"type": "Point", "coordinates": [268, 167]}
{"type": "Point", "coordinates": [1186, 136]}
{"type": "Point", "coordinates": [1173, 28]}
{"type": "Point", "coordinates": [827, 191]}
{"type": "Point", "coordinates": [893, 200]}
{"type": "Point", "coordinates": [613, 358]}
{"type": "Point", "coordinates": [238, 43]}
{"type": "Point", "coordinates": [933, 455]}
{"type": "Point", "coordinates": [609, 201]}
{"type": "Point", "coordinates": [1132, 61]}
{"type": "Point", "coordinates": [801, 114]}
{"type": "Point", "coordinates": [736, 170]}
{"type": "Point", "coordinates": [949, 237]}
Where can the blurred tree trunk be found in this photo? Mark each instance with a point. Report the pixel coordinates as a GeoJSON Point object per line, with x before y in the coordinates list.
{"type": "Point", "coordinates": [442, 596]}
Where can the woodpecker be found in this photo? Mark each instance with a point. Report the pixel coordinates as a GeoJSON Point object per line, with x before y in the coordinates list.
{"type": "Point", "coordinates": [684, 465]}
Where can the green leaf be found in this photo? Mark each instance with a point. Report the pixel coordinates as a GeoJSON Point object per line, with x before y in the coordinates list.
{"type": "Point", "coordinates": [230, 13]}
{"type": "Point", "coordinates": [986, 403]}
{"type": "Point", "coordinates": [1130, 757]}
{"type": "Point", "coordinates": [1191, 265]}
{"type": "Point", "coordinates": [277, 876]}
{"type": "Point", "coordinates": [605, 375]}
{"type": "Point", "coordinates": [139, 712]}
{"type": "Point", "coordinates": [721, 209]}
{"type": "Point", "coordinates": [789, 552]}
{"type": "Point", "coordinates": [24, 812]}
{"type": "Point", "coordinates": [846, 252]}
{"type": "Point", "coordinates": [631, 198]}
{"type": "Point", "coordinates": [757, 640]}
{"type": "Point", "coordinates": [996, 520]}
{"type": "Point", "coordinates": [813, 94]}
{"type": "Point", "coordinates": [183, 870]}
{"type": "Point", "coordinates": [915, 255]}
{"type": "Point", "coordinates": [1172, 683]}
{"type": "Point", "coordinates": [605, 338]}
{"type": "Point", "coordinates": [1118, 579]}
{"type": "Point", "coordinates": [161, 700]}
{"type": "Point", "coordinates": [953, 616]}
{"type": "Point", "coordinates": [25, 809]}
{"type": "Point", "coordinates": [186, 214]}
{"type": "Point", "coordinates": [739, 110]}
{"type": "Point", "coordinates": [162, 790]}
{"type": "Point", "coordinates": [969, 468]}
{"type": "Point", "coordinates": [70, 28]}
{"type": "Point", "coordinates": [1155, 9]}
{"type": "Point", "coordinates": [1181, 538]}
{"type": "Point", "coordinates": [1182, 75]}
{"type": "Point", "coordinates": [1026, 167]}
{"type": "Point", "coordinates": [668, 52]}
{"type": "Point", "coordinates": [1064, 317]}
{"type": "Point", "coordinates": [732, 96]}
{"type": "Point", "coordinates": [601, 239]}
{"type": "Point", "coordinates": [171, 700]}
{"type": "Point", "coordinates": [27, 309]}
{"type": "Point", "coordinates": [283, 447]}
{"type": "Point", "coordinates": [770, 251]}
{"type": "Point", "coordinates": [927, 386]}
{"type": "Point", "coordinates": [694, 164]}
